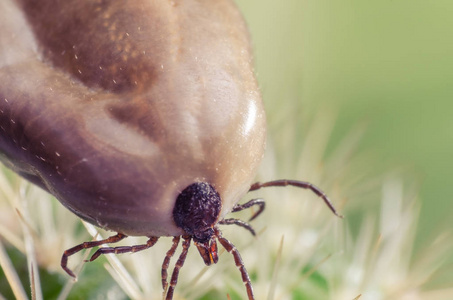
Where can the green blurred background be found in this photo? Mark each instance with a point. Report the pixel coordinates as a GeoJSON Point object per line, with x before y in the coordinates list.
{"type": "Point", "coordinates": [385, 64]}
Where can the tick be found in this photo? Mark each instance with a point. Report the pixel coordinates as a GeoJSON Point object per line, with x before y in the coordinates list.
{"type": "Point", "coordinates": [141, 117]}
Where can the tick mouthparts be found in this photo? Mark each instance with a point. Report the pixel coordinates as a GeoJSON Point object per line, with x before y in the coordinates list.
{"type": "Point", "coordinates": [208, 252]}
{"type": "Point", "coordinates": [203, 248]}
{"type": "Point", "coordinates": [213, 251]}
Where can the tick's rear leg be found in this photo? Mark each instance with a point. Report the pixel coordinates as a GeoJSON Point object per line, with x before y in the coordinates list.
{"type": "Point", "coordinates": [166, 262]}
{"type": "Point", "coordinates": [238, 207]}
{"type": "Point", "coordinates": [178, 266]}
{"type": "Point", "coordinates": [240, 223]}
{"type": "Point", "coordinates": [260, 202]}
{"type": "Point", "coordinates": [87, 245]}
{"type": "Point", "coordinates": [229, 247]}
{"type": "Point", "coordinates": [124, 249]}
{"type": "Point", "coordinates": [299, 184]}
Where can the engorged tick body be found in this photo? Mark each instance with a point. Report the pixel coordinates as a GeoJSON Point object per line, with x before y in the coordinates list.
{"type": "Point", "coordinates": [125, 104]}
{"type": "Point", "coordinates": [141, 117]}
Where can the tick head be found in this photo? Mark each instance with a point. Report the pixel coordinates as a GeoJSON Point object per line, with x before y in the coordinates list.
{"type": "Point", "coordinates": [197, 210]}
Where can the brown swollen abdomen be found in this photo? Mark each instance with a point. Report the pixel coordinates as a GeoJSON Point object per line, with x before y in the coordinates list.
{"type": "Point", "coordinates": [116, 106]}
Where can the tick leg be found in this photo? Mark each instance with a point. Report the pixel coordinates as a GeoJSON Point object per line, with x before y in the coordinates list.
{"type": "Point", "coordinates": [238, 223]}
{"type": "Point", "coordinates": [299, 184]}
{"type": "Point", "coordinates": [260, 202]}
{"type": "Point", "coordinates": [166, 262]}
{"type": "Point", "coordinates": [238, 207]}
{"type": "Point", "coordinates": [125, 249]}
{"type": "Point", "coordinates": [87, 245]}
{"type": "Point", "coordinates": [239, 263]}
{"type": "Point", "coordinates": [178, 266]}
